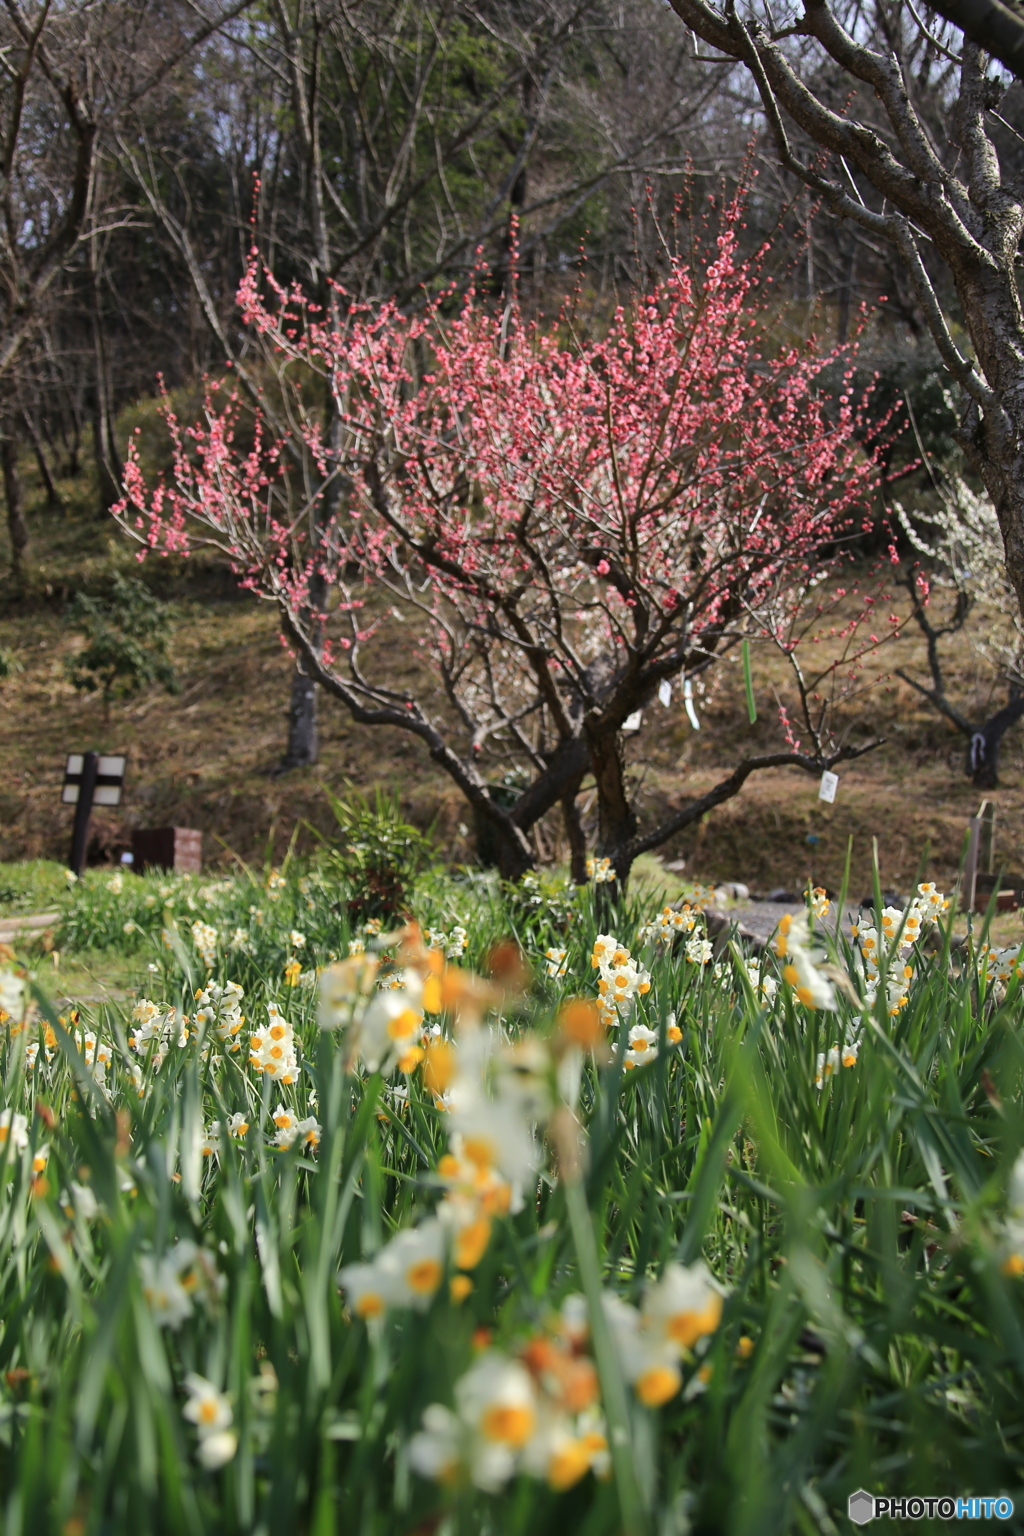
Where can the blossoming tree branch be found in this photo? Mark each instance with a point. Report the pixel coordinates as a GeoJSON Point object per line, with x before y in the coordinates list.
{"type": "Point", "coordinates": [565, 525]}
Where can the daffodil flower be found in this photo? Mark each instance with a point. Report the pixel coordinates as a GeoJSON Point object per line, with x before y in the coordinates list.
{"type": "Point", "coordinates": [801, 969]}
{"type": "Point", "coordinates": [210, 1411]}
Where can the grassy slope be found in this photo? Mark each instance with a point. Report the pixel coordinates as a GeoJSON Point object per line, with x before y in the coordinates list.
{"type": "Point", "coordinates": [206, 758]}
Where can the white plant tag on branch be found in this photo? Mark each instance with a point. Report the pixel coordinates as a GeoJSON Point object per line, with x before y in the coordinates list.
{"type": "Point", "coordinates": [691, 713]}
{"type": "Point", "coordinates": [829, 785]}
{"type": "Point", "coordinates": [665, 692]}
{"type": "Point", "coordinates": [633, 722]}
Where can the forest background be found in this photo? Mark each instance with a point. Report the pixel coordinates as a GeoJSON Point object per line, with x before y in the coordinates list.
{"type": "Point", "coordinates": [395, 149]}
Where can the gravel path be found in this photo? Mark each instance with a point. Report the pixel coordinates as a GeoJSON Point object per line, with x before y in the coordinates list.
{"type": "Point", "coordinates": [763, 917]}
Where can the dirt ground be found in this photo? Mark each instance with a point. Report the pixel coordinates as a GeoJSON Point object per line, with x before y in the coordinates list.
{"type": "Point", "coordinates": [206, 758]}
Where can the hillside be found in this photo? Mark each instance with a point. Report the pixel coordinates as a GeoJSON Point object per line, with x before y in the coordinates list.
{"type": "Point", "coordinates": [207, 757]}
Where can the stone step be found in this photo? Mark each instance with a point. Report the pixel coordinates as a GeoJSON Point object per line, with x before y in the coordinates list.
{"type": "Point", "coordinates": [28, 922]}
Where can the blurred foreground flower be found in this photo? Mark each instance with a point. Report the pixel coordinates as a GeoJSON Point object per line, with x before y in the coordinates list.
{"type": "Point", "coordinates": [536, 1414]}
{"type": "Point", "coordinates": [13, 1129]}
{"type": "Point", "coordinates": [210, 1411]}
{"type": "Point", "coordinates": [803, 967]}
{"type": "Point", "coordinates": [172, 1283]}
{"type": "Point", "coordinates": [680, 1310]}
{"type": "Point", "coordinates": [13, 996]}
{"type": "Point", "coordinates": [1011, 1239]}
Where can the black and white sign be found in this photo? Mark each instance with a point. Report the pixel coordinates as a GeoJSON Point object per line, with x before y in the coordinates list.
{"type": "Point", "coordinates": [109, 779]}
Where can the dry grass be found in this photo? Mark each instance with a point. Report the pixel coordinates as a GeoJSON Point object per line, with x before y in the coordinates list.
{"type": "Point", "coordinates": [207, 757]}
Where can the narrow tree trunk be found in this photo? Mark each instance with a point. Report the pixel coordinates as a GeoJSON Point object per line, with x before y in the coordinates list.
{"type": "Point", "coordinates": [12, 494]}
{"type": "Point", "coordinates": [303, 734]}
{"type": "Point", "coordinates": [52, 494]}
{"type": "Point", "coordinates": [303, 747]}
{"type": "Point", "coordinates": [846, 294]}
{"type": "Point", "coordinates": [72, 442]}
{"type": "Point", "coordinates": [304, 69]}
{"type": "Point", "coordinates": [108, 460]}
{"type": "Point", "coordinates": [108, 463]}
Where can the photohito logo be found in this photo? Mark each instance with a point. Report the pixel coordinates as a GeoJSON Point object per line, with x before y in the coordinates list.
{"type": "Point", "coordinates": [862, 1507]}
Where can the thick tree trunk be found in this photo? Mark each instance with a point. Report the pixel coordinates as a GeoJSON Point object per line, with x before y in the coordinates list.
{"type": "Point", "coordinates": [496, 847]}
{"type": "Point", "coordinates": [983, 746]}
{"type": "Point", "coordinates": [616, 818]}
{"type": "Point", "coordinates": [1002, 472]}
{"type": "Point", "coordinates": [16, 527]}
{"type": "Point", "coordinates": [993, 441]}
{"type": "Point", "coordinates": [575, 835]}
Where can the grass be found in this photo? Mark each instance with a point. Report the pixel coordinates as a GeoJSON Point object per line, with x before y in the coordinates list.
{"type": "Point", "coordinates": [870, 1331]}
{"type": "Point", "coordinates": [35, 885]}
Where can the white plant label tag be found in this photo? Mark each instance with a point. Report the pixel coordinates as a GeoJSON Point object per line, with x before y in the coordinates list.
{"type": "Point", "coordinates": [665, 692]}
{"type": "Point", "coordinates": [829, 785]}
{"type": "Point", "coordinates": [632, 722]}
{"type": "Point", "coordinates": [691, 713]}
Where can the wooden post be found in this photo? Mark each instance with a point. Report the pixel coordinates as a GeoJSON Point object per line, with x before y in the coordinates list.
{"type": "Point", "coordinates": [83, 810]}
{"type": "Point", "coordinates": [986, 844]}
{"type": "Point", "coordinates": [971, 867]}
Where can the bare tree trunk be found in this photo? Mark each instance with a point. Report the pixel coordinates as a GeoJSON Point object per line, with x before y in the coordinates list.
{"type": "Point", "coordinates": [12, 494]}
{"type": "Point", "coordinates": [968, 207]}
{"type": "Point", "coordinates": [496, 847]}
{"type": "Point", "coordinates": [512, 862]}
{"type": "Point", "coordinates": [616, 818]}
{"type": "Point", "coordinates": [108, 461]}
{"type": "Point", "coordinates": [71, 441]}
{"type": "Point", "coordinates": [303, 734]}
{"type": "Point", "coordinates": [304, 74]}
{"type": "Point", "coordinates": [108, 465]}
{"type": "Point", "coordinates": [303, 731]}
{"type": "Point", "coordinates": [993, 439]}
{"type": "Point", "coordinates": [575, 834]}
{"type": "Point", "coordinates": [52, 493]}
{"type": "Point", "coordinates": [846, 294]}
{"type": "Point", "coordinates": [984, 743]}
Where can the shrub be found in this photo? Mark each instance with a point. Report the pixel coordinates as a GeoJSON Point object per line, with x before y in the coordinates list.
{"type": "Point", "coordinates": [380, 855]}
{"type": "Point", "coordinates": [126, 641]}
